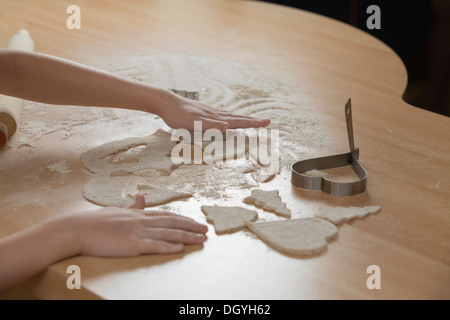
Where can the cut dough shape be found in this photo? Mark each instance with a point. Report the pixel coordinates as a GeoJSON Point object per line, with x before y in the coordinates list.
{"type": "Point", "coordinates": [105, 190]}
{"type": "Point", "coordinates": [301, 237]}
{"type": "Point", "coordinates": [120, 191]}
{"type": "Point", "coordinates": [159, 195]}
{"type": "Point", "coordinates": [223, 147]}
{"type": "Point", "coordinates": [268, 200]}
{"type": "Point", "coordinates": [154, 154]}
{"type": "Point", "coordinates": [338, 215]}
{"type": "Point", "coordinates": [228, 219]}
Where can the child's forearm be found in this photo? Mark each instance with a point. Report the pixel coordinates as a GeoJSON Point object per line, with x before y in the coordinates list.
{"type": "Point", "coordinates": [48, 79]}
{"type": "Point", "coordinates": [28, 252]}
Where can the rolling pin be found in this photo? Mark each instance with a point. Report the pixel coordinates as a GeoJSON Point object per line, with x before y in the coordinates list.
{"type": "Point", "coordinates": [11, 107]}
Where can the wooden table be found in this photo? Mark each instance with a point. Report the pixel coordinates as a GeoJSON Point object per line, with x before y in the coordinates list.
{"type": "Point", "coordinates": [406, 151]}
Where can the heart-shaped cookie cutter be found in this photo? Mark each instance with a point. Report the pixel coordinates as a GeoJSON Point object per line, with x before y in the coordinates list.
{"type": "Point", "coordinates": [301, 180]}
{"type": "Point", "coordinates": [193, 95]}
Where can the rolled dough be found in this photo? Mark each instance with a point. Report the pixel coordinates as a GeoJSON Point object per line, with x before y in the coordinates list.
{"type": "Point", "coordinates": [232, 87]}
{"type": "Point", "coordinates": [228, 219]}
{"type": "Point", "coordinates": [338, 215]}
{"type": "Point", "coordinates": [268, 200]}
{"type": "Point", "coordinates": [120, 191]}
{"type": "Point", "coordinates": [302, 237]}
{"type": "Point", "coordinates": [155, 154]}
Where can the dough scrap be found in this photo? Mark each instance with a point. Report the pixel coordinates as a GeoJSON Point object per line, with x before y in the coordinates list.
{"type": "Point", "coordinates": [159, 195]}
{"type": "Point", "coordinates": [228, 219]}
{"type": "Point", "coordinates": [225, 147]}
{"type": "Point", "coordinates": [120, 191]}
{"type": "Point", "coordinates": [301, 237]}
{"type": "Point", "coordinates": [155, 154]}
{"type": "Point", "coordinates": [338, 215]}
{"type": "Point", "coordinates": [115, 191]}
{"type": "Point", "coordinates": [268, 200]}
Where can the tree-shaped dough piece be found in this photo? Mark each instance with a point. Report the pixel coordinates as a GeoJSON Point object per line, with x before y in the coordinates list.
{"type": "Point", "coordinates": [269, 201]}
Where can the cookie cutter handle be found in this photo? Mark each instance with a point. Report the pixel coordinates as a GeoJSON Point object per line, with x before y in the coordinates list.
{"type": "Point", "coordinates": [348, 119]}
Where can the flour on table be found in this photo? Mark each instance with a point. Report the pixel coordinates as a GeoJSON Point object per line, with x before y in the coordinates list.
{"type": "Point", "coordinates": [338, 215]}
{"type": "Point", "coordinates": [236, 88]}
{"type": "Point", "coordinates": [36, 124]}
{"type": "Point", "coordinates": [222, 84]}
{"type": "Point", "coordinates": [59, 166]}
{"type": "Point", "coordinates": [303, 237]}
{"type": "Point", "coordinates": [228, 219]}
{"type": "Point", "coordinates": [268, 200]}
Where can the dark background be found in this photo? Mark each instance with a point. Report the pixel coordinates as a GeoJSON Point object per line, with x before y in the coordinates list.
{"type": "Point", "coordinates": [417, 30]}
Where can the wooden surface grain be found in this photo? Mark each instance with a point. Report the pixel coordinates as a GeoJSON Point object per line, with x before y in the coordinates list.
{"type": "Point", "coordinates": [405, 150]}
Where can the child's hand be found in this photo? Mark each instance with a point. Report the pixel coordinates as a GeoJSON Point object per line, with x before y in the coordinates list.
{"type": "Point", "coordinates": [128, 232]}
{"type": "Point", "coordinates": [108, 232]}
{"type": "Point", "coordinates": [182, 112]}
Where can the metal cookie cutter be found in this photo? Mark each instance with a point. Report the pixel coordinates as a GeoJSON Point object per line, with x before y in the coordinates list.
{"type": "Point", "coordinates": [193, 95]}
{"type": "Point", "coordinates": [299, 179]}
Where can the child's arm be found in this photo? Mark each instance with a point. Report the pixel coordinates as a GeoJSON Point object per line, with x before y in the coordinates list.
{"type": "Point", "coordinates": [52, 80]}
{"type": "Point", "coordinates": [108, 232]}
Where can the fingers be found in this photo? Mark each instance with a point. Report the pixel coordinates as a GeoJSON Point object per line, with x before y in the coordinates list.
{"type": "Point", "coordinates": [155, 213]}
{"type": "Point", "coordinates": [168, 233]}
{"type": "Point", "coordinates": [139, 203]}
{"type": "Point", "coordinates": [148, 246]}
{"type": "Point", "coordinates": [166, 241]}
{"type": "Point", "coordinates": [215, 124]}
{"type": "Point", "coordinates": [175, 222]}
{"type": "Point", "coordinates": [243, 121]}
{"type": "Point", "coordinates": [236, 122]}
{"type": "Point", "coordinates": [222, 120]}
{"type": "Point", "coordinates": [172, 235]}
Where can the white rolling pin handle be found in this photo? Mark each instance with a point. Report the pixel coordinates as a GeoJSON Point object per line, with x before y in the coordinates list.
{"type": "Point", "coordinates": [11, 107]}
{"type": "Point", "coordinates": [21, 41]}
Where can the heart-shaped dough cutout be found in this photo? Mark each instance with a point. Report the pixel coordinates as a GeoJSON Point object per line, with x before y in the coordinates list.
{"type": "Point", "coordinates": [301, 237]}
{"type": "Point", "coordinates": [228, 219]}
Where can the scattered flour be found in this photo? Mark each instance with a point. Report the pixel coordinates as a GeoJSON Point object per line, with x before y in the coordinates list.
{"type": "Point", "coordinates": [222, 84]}
{"type": "Point", "coordinates": [226, 85]}
{"type": "Point", "coordinates": [59, 166]}
{"type": "Point", "coordinates": [36, 122]}
{"type": "Point", "coordinates": [235, 88]}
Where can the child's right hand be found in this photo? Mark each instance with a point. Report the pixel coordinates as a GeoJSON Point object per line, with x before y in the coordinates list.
{"type": "Point", "coordinates": [178, 112]}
